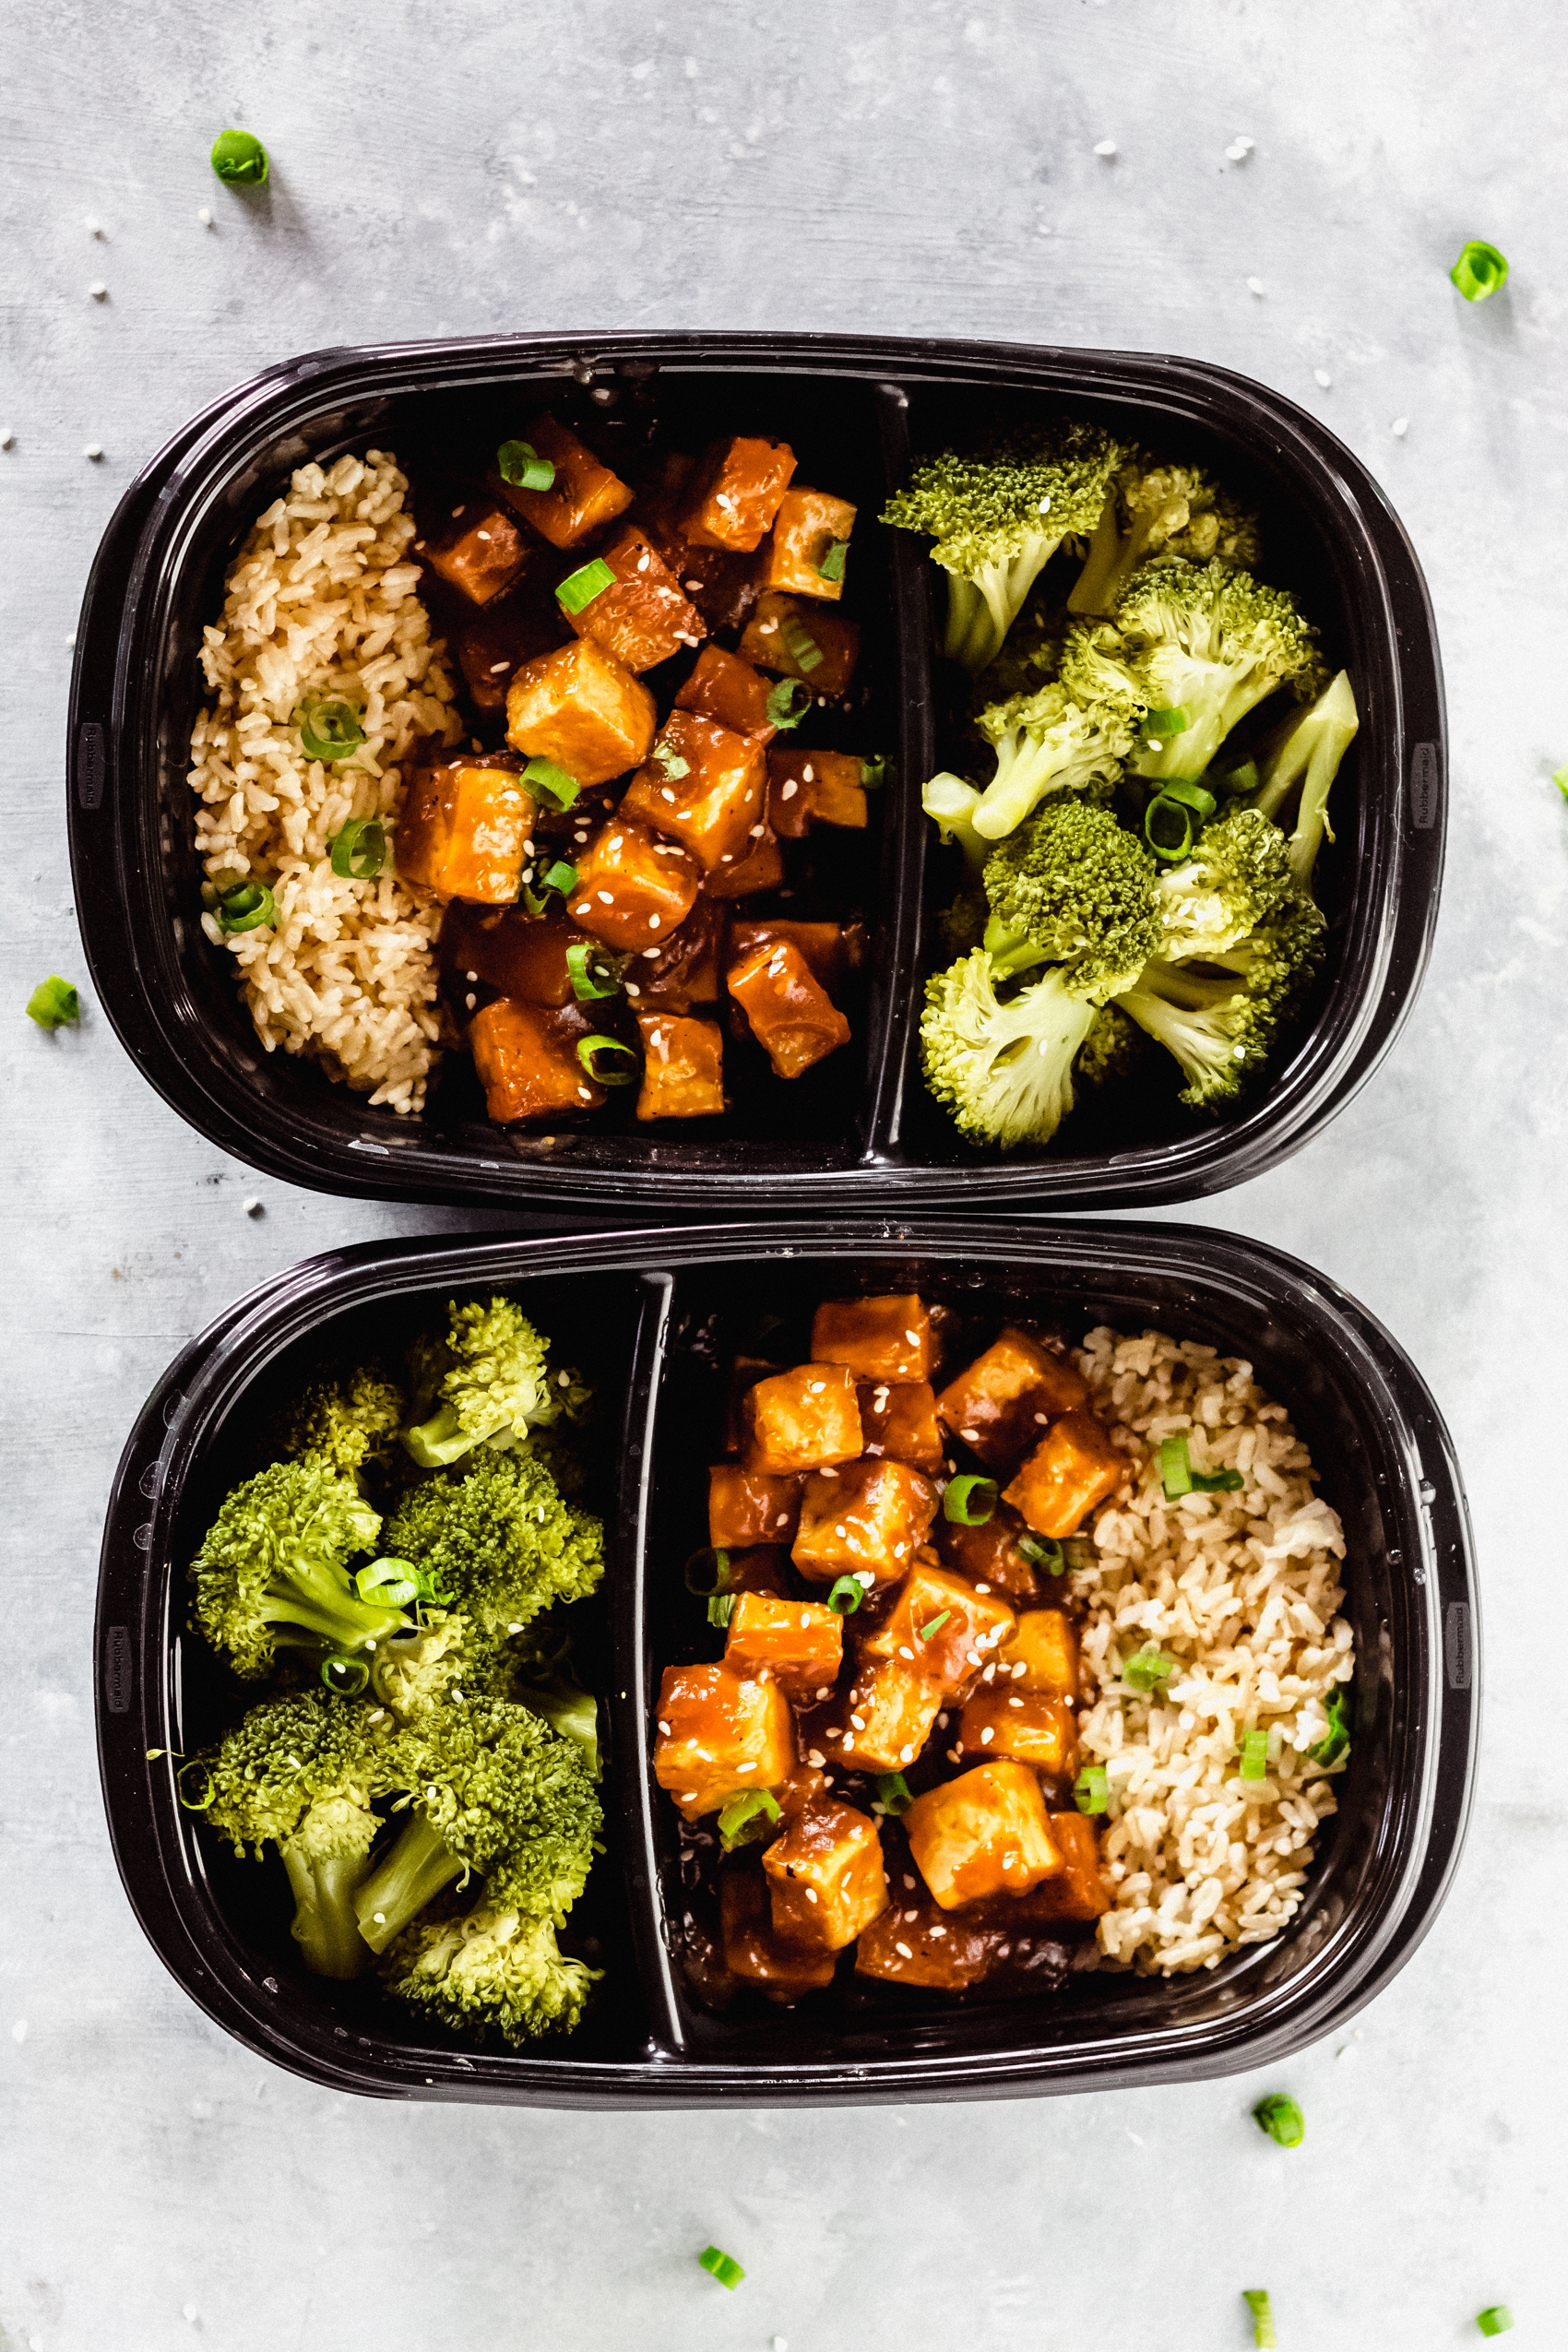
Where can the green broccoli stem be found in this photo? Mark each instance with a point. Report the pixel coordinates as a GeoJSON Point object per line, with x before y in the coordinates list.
{"type": "Point", "coordinates": [404, 1881]}
{"type": "Point", "coordinates": [950, 803]}
{"type": "Point", "coordinates": [326, 1927]}
{"type": "Point", "coordinates": [1026, 769]}
{"type": "Point", "coordinates": [981, 609]}
{"type": "Point", "coordinates": [442, 1440]}
{"type": "Point", "coordinates": [1010, 951]}
{"type": "Point", "coordinates": [314, 1596]}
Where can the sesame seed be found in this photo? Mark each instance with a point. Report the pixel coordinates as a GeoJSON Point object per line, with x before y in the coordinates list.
{"type": "Point", "coordinates": [904, 1950]}
{"type": "Point", "coordinates": [99, 291]}
{"type": "Point", "coordinates": [1015, 1703]}
{"type": "Point", "coordinates": [987, 1736]}
{"type": "Point", "coordinates": [93, 449]}
{"type": "Point", "coordinates": [825, 1472]}
{"type": "Point", "coordinates": [1254, 286]}
{"type": "Point", "coordinates": [496, 667]}
{"type": "Point", "coordinates": [913, 1337]}
{"type": "Point", "coordinates": [908, 1882]}
{"type": "Point", "coordinates": [745, 1767]}
{"type": "Point", "coordinates": [605, 899]}
{"type": "Point", "coordinates": [1321, 376]}
{"type": "Point", "coordinates": [982, 1588]}
{"type": "Point", "coordinates": [904, 1650]}
{"type": "Point", "coordinates": [484, 535]}
{"type": "Point", "coordinates": [1105, 148]}
{"type": "Point", "coordinates": [1400, 427]}
{"type": "Point", "coordinates": [458, 510]}
{"type": "Point", "coordinates": [906, 1755]}
{"type": "Point", "coordinates": [970, 1436]}
{"type": "Point", "coordinates": [808, 774]}
{"type": "Point", "coordinates": [825, 1692]}
{"type": "Point", "coordinates": [204, 216]}
{"type": "Point", "coordinates": [937, 1934]}
{"type": "Point", "coordinates": [815, 1756]}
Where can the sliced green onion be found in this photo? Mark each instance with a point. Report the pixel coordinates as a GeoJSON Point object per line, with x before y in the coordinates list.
{"type": "Point", "coordinates": [329, 731]}
{"type": "Point", "coordinates": [873, 773]}
{"type": "Point", "coordinates": [1041, 1554]}
{"type": "Point", "coordinates": [590, 1050]}
{"type": "Point", "coordinates": [1191, 795]}
{"type": "Point", "coordinates": [666, 757]}
{"type": "Point", "coordinates": [391, 1583]}
{"type": "Point", "coordinates": [1256, 2301]}
{"type": "Point", "coordinates": [238, 158]}
{"type": "Point", "coordinates": [199, 1801]}
{"type": "Point", "coordinates": [1496, 2320]}
{"type": "Point", "coordinates": [1255, 1756]}
{"type": "Point", "coordinates": [1560, 777]}
{"type": "Point", "coordinates": [832, 564]}
{"type": "Point", "coordinates": [1091, 1790]}
{"type": "Point", "coordinates": [750, 1814]}
{"type": "Point", "coordinates": [53, 1003]}
{"type": "Point", "coordinates": [970, 1501]}
{"type": "Point", "coordinates": [1165, 722]}
{"type": "Point", "coordinates": [799, 645]}
{"type": "Point", "coordinates": [427, 1589]}
{"type": "Point", "coordinates": [934, 1625]}
{"type": "Point", "coordinates": [1239, 780]}
{"type": "Point", "coordinates": [246, 906]}
{"type": "Point", "coordinates": [345, 1677]}
{"type": "Point", "coordinates": [359, 850]}
{"type": "Point", "coordinates": [1148, 1669]}
{"type": "Point", "coordinates": [845, 1596]}
{"type": "Point", "coordinates": [1179, 1478]}
{"type": "Point", "coordinates": [1479, 270]}
{"type": "Point", "coordinates": [1337, 1739]}
{"type": "Point", "coordinates": [708, 1572]}
{"type": "Point", "coordinates": [578, 589]}
{"type": "Point", "coordinates": [1279, 2116]}
{"type": "Point", "coordinates": [545, 780]}
{"type": "Point", "coordinates": [720, 1608]}
{"type": "Point", "coordinates": [562, 876]}
{"type": "Point", "coordinates": [592, 970]}
{"type": "Point", "coordinates": [1168, 828]}
{"type": "Point", "coordinates": [894, 1793]}
{"type": "Point", "coordinates": [722, 2266]}
{"type": "Point", "coordinates": [787, 703]}
{"type": "Point", "coordinates": [519, 463]}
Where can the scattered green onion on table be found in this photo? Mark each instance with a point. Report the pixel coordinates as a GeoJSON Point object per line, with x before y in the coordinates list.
{"type": "Point", "coordinates": [1279, 2116]}
{"type": "Point", "coordinates": [722, 2266]}
{"type": "Point", "coordinates": [53, 1003]}
{"type": "Point", "coordinates": [1479, 270]}
{"type": "Point", "coordinates": [238, 158]}
{"type": "Point", "coordinates": [1258, 2302]}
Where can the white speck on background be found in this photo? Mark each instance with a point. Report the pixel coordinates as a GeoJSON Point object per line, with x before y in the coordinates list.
{"type": "Point", "coordinates": [1254, 286]}
{"type": "Point", "coordinates": [93, 449]}
{"type": "Point", "coordinates": [94, 228]}
{"type": "Point", "coordinates": [252, 1207]}
{"type": "Point", "coordinates": [204, 216]}
{"type": "Point", "coordinates": [98, 289]}
{"type": "Point", "coordinates": [1106, 148]}
{"type": "Point", "coordinates": [71, 641]}
{"type": "Point", "coordinates": [1321, 376]}
{"type": "Point", "coordinates": [19, 2030]}
{"type": "Point", "coordinates": [1400, 428]}
{"type": "Point", "coordinates": [1134, 2139]}
{"type": "Point", "coordinates": [1238, 149]}
{"type": "Point", "coordinates": [189, 2311]}
{"type": "Point", "coordinates": [7, 438]}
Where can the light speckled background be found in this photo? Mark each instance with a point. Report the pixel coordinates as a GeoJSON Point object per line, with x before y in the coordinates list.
{"type": "Point", "coordinates": [916, 167]}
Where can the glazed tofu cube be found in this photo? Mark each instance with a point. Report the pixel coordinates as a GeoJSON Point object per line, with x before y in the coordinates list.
{"type": "Point", "coordinates": [495, 644]}
{"type": "Point", "coordinates": [793, 1019]}
{"type": "Point", "coordinates": [1072, 1470]}
{"type": "Point", "coordinates": [1041, 1654]}
{"type": "Point", "coordinates": [724, 688]}
{"type": "Point", "coordinates": [830, 951]}
{"type": "Point", "coordinates": [527, 1060]}
{"type": "Point", "coordinates": [798, 1642]}
{"type": "Point", "coordinates": [584, 497]}
{"type": "Point", "coordinates": [802, 641]}
{"type": "Point", "coordinates": [720, 583]}
{"type": "Point", "coordinates": [826, 1877]}
{"type": "Point", "coordinates": [583, 709]}
{"type": "Point", "coordinates": [481, 553]}
{"type": "Point", "coordinates": [1000, 1721]}
{"type": "Point", "coordinates": [990, 1556]}
{"type": "Point", "coordinates": [641, 616]}
{"type": "Point", "coordinates": [1079, 1892]}
{"type": "Point", "coordinates": [687, 969]}
{"type": "Point", "coordinates": [704, 785]}
{"type": "Point", "coordinates": [941, 1628]}
{"type": "Point", "coordinates": [884, 1339]}
{"type": "Point", "coordinates": [735, 492]}
{"type": "Point", "coordinates": [745, 1373]}
{"type": "Point", "coordinates": [884, 1718]}
{"type": "Point", "coordinates": [718, 1736]}
{"type": "Point", "coordinates": [810, 526]}
{"type": "Point", "coordinates": [868, 1516]}
{"type": "Point", "coordinates": [800, 1419]}
{"type": "Point", "coordinates": [465, 828]}
{"type": "Point", "coordinates": [899, 1421]}
{"type": "Point", "coordinates": [761, 868]}
{"type": "Point", "coordinates": [916, 1944]}
{"type": "Point", "coordinates": [753, 1951]}
{"type": "Point", "coordinates": [631, 887]}
{"type": "Point", "coordinates": [520, 954]}
{"type": "Point", "coordinates": [813, 788]}
{"type": "Point", "coordinates": [1000, 1404]}
{"type": "Point", "coordinates": [984, 1834]}
{"type": "Point", "coordinates": [682, 1067]}
{"type": "Point", "coordinates": [751, 1506]}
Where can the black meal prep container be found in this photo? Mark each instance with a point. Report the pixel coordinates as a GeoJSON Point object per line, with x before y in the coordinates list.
{"type": "Point", "coordinates": [860, 1132]}
{"type": "Point", "coordinates": [647, 1312]}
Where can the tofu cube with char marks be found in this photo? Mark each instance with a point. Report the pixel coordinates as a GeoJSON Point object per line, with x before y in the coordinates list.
{"type": "Point", "coordinates": [703, 784]}
{"type": "Point", "coordinates": [752, 1948]}
{"type": "Point", "coordinates": [802, 1419]}
{"type": "Point", "coordinates": [642, 618]}
{"type": "Point", "coordinates": [899, 1421]}
{"type": "Point", "coordinates": [724, 688]}
{"type": "Point", "coordinates": [793, 1019]}
{"type": "Point", "coordinates": [520, 954]}
{"type": "Point", "coordinates": [813, 788]}
{"type": "Point", "coordinates": [1040, 1655]}
{"type": "Point", "coordinates": [1072, 1470]}
{"type": "Point", "coordinates": [916, 1944]}
{"type": "Point", "coordinates": [682, 1067]}
{"type": "Point", "coordinates": [583, 709]}
{"type": "Point", "coordinates": [884, 1718]}
{"type": "Point", "coordinates": [802, 641]}
{"type": "Point", "coordinates": [479, 554]}
{"type": "Point", "coordinates": [798, 1642]}
{"type": "Point", "coordinates": [465, 826]}
{"type": "Point", "coordinates": [735, 493]}
{"type": "Point", "coordinates": [1000, 1404]}
{"type": "Point", "coordinates": [632, 887]}
{"type": "Point", "coordinates": [761, 868]}
{"type": "Point", "coordinates": [868, 1514]}
{"type": "Point", "coordinates": [718, 1736]}
{"type": "Point", "coordinates": [990, 1555]}
{"type": "Point", "coordinates": [830, 951]}
{"type": "Point", "coordinates": [827, 1876]}
{"type": "Point", "coordinates": [584, 497]}
{"type": "Point", "coordinates": [880, 1338]}
{"type": "Point", "coordinates": [686, 970]}
{"type": "Point", "coordinates": [527, 1059]}
{"type": "Point", "coordinates": [1000, 1721]}
{"type": "Point", "coordinates": [941, 1628]}
{"type": "Point", "coordinates": [751, 1506]}
{"type": "Point", "coordinates": [984, 1834]}
{"type": "Point", "coordinates": [808, 526]}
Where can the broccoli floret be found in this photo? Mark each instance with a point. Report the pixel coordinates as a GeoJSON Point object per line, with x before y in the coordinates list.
{"type": "Point", "coordinates": [451, 1656]}
{"type": "Point", "coordinates": [1004, 1070]}
{"type": "Point", "coordinates": [544, 1681]}
{"type": "Point", "coordinates": [303, 1774]}
{"type": "Point", "coordinates": [1307, 751]}
{"type": "Point", "coordinates": [351, 1422]}
{"type": "Point", "coordinates": [499, 1537]}
{"type": "Point", "coordinates": [1112, 1051]}
{"type": "Point", "coordinates": [1047, 743]}
{"type": "Point", "coordinates": [1030, 659]}
{"type": "Point", "coordinates": [1221, 1015]}
{"type": "Point", "coordinates": [487, 1382]}
{"type": "Point", "coordinates": [273, 1567]}
{"type": "Point", "coordinates": [1075, 888]}
{"type": "Point", "coordinates": [951, 805]}
{"type": "Point", "coordinates": [961, 926]}
{"type": "Point", "coordinates": [491, 1967]}
{"type": "Point", "coordinates": [1156, 509]}
{"type": "Point", "coordinates": [1237, 881]}
{"type": "Point", "coordinates": [998, 519]}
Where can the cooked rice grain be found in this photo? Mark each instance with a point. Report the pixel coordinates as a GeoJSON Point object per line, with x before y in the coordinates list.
{"type": "Point", "coordinates": [1242, 1590]}
{"type": "Point", "coordinates": [321, 602]}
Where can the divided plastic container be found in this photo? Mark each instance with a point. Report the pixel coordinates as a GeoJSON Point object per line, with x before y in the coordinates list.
{"type": "Point", "coordinates": [861, 1133]}
{"type": "Point", "coordinates": [648, 1313]}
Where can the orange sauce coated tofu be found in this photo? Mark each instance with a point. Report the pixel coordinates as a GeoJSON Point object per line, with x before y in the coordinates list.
{"type": "Point", "coordinates": [918, 1945]}
{"type": "Point", "coordinates": [753, 1951]}
{"type": "Point", "coordinates": [581, 709]}
{"type": "Point", "coordinates": [761, 868]}
{"type": "Point", "coordinates": [1002, 1721]}
{"type": "Point", "coordinates": [520, 954]}
{"type": "Point", "coordinates": [481, 552]}
{"type": "Point", "coordinates": [809, 522]}
{"type": "Point", "coordinates": [527, 1060]}
{"type": "Point", "coordinates": [899, 1421]}
{"type": "Point", "coordinates": [644, 618]}
{"type": "Point", "coordinates": [583, 495]}
{"type": "Point", "coordinates": [798, 1642]}
{"type": "Point", "coordinates": [884, 1718]}
{"type": "Point", "coordinates": [813, 788]}
{"type": "Point", "coordinates": [800, 1419]}
{"type": "Point", "coordinates": [495, 643]}
{"type": "Point", "coordinates": [703, 784]}
{"type": "Point", "coordinates": [884, 1338]}
{"type": "Point", "coordinates": [794, 1020]}
{"type": "Point", "coordinates": [940, 1627]}
{"type": "Point", "coordinates": [1041, 1654]}
{"type": "Point", "coordinates": [720, 1735]}
{"type": "Point", "coordinates": [984, 1834]}
{"type": "Point", "coordinates": [751, 1506]}
{"type": "Point", "coordinates": [682, 1067]}
{"type": "Point", "coordinates": [1079, 1892]}
{"type": "Point", "coordinates": [802, 641]}
{"type": "Point", "coordinates": [687, 969]}
{"type": "Point", "coordinates": [989, 1556]}
{"type": "Point", "coordinates": [1005, 1397]}
{"type": "Point", "coordinates": [631, 888]}
{"type": "Point", "coordinates": [868, 1514]}
{"type": "Point", "coordinates": [826, 1877]}
{"type": "Point", "coordinates": [830, 951]}
{"type": "Point", "coordinates": [464, 826]}
{"type": "Point", "coordinates": [724, 688]}
{"type": "Point", "coordinates": [735, 494]}
{"type": "Point", "coordinates": [1071, 1471]}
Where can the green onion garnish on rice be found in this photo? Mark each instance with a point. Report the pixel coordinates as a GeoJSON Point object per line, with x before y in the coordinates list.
{"type": "Point", "coordinates": [1337, 1739]}
{"type": "Point", "coordinates": [1179, 1478]}
{"type": "Point", "coordinates": [1043, 1553]}
{"type": "Point", "coordinates": [1258, 2302]}
{"type": "Point", "coordinates": [578, 589]}
{"type": "Point", "coordinates": [1496, 2320]}
{"type": "Point", "coordinates": [623, 1063]}
{"type": "Point", "coordinates": [360, 848]}
{"type": "Point", "coordinates": [722, 2266]}
{"type": "Point", "coordinates": [1279, 2116]}
{"type": "Point", "coordinates": [238, 158]}
{"type": "Point", "coordinates": [1091, 1790]}
{"type": "Point", "coordinates": [787, 703]}
{"type": "Point", "coordinates": [53, 1003]}
{"type": "Point", "coordinates": [246, 906]}
{"type": "Point", "coordinates": [971, 1502]}
{"type": "Point", "coordinates": [1254, 1755]}
{"type": "Point", "coordinates": [1479, 270]}
{"type": "Point", "coordinates": [1148, 1669]}
{"type": "Point", "coordinates": [519, 463]}
{"type": "Point", "coordinates": [750, 1814]}
{"type": "Point", "coordinates": [329, 730]}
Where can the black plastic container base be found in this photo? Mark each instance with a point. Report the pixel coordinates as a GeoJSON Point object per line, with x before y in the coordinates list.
{"type": "Point", "coordinates": [631, 1305]}
{"type": "Point", "coordinates": [865, 1135]}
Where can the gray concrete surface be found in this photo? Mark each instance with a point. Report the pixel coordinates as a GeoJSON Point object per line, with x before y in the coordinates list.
{"type": "Point", "coordinates": [925, 166]}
